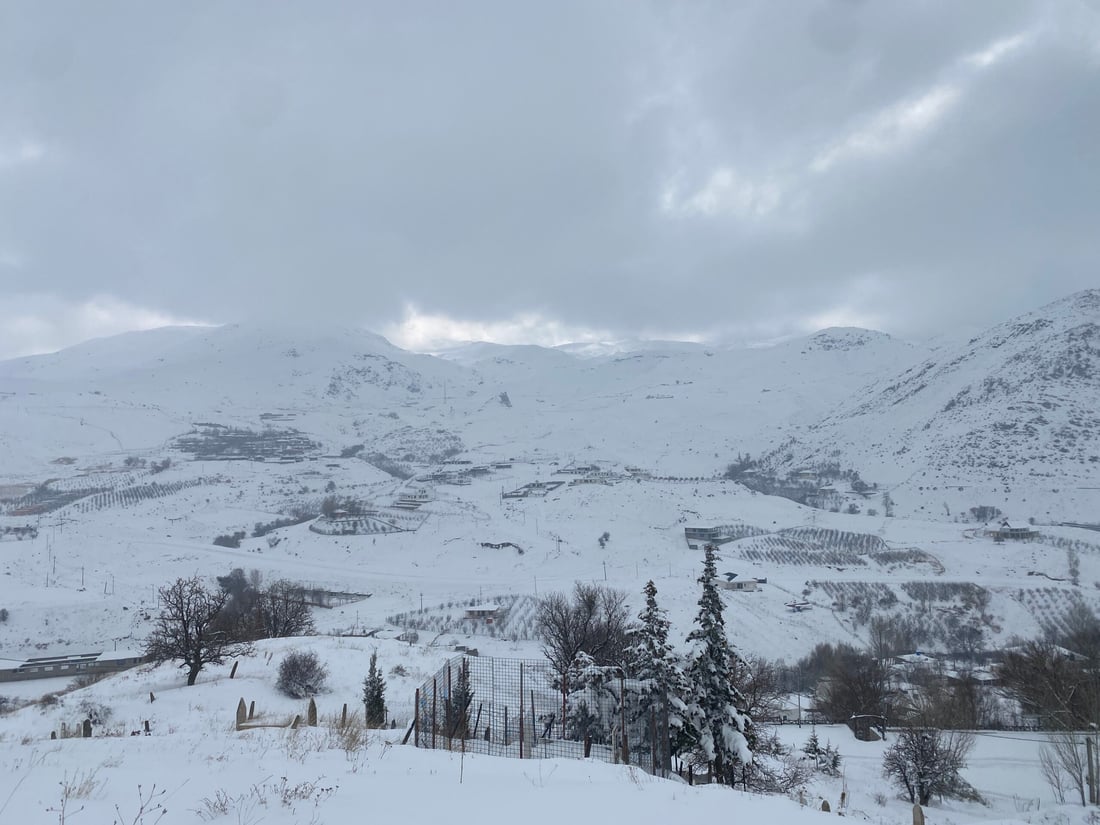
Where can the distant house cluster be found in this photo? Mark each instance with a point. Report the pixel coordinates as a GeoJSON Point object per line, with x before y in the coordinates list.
{"type": "Point", "coordinates": [210, 441]}
{"type": "Point", "coordinates": [456, 472]}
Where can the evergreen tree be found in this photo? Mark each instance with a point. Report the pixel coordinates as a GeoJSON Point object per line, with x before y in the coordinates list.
{"type": "Point", "coordinates": [716, 725]}
{"type": "Point", "coordinates": [812, 748]}
{"type": "Point", "coordinates": [456, 711]}
{"type": "Point", "coordinates": [374, 695]}
{"type": "Point", "coordinates": [650, 654]}
{"type": "Point", "coordinates": [654, 667]}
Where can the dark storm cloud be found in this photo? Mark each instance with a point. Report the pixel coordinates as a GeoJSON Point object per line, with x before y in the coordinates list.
{"type": "Point", "coordinates": [742, 169]}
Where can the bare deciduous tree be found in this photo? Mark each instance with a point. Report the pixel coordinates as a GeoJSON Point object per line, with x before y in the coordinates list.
{"type": "Point", "coordinates": [758, 680]}
{"type": "Point", "coordinates": [188, 629]}
{"type": "Point", "coordinates": [956, 704]}
{"type": "Point", "coordinates": [855, 685]}
{"type": "Point", "coordinates": [925, 762]}
{"type": "Point", "coordinates": [1064, 764]}
{"type": "Point", "coordinates": [594, 620]}
{"type": "Point", "coordinates": [1048, 681]}
{"type": "Point", "coordinates": [282, 611]}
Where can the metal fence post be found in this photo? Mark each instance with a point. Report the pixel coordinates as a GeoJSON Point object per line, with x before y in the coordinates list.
{"type": "Point", "coordinates": [521, 710]}
{"type": "Point", "coordinates": [434, 726]}
{"type": "Point", "coordinates": [564, 688]}
{"type": "Point", "coordinates": [653, 738]}
{"type": "Point", "coordinates": [666, 737]}
{"type": "Point", "coordinates": [622, 718]}
{"type": "Point", "coordinates": [416, 720]}
{"type": "Point", "coordinates": [449, 712]}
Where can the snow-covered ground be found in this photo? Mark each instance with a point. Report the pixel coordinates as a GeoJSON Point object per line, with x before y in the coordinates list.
{"type": "Point", "coordinates": [197, 766]}
{"type": "Point", "coordinates": [89, 580]}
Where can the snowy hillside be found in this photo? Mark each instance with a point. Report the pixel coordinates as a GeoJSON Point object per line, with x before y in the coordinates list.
{"type": "Point", "coordinates": [193, 766]}
{"type": "Point", "coordinates": [149, 446]}
{"type": "Point", "coordinates": [504, 473]}
{"type": "Point", "coordinates": [1010, 414]}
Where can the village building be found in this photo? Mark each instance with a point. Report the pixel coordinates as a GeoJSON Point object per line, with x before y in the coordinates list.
{"type": "Point", "coordinates": [487, 612]}
{"type": "Point", "coordinates": [48, 667]}
{"type": "Point", "coordinates": [1007, 531]}
{"type": "Point", "coordinates": [738, 585]}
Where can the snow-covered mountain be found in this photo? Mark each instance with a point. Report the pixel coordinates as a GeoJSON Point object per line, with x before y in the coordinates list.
{"type": "Point", "coordinates": [685, 404]}
{"type": "Point", "coordinates": [1016, 404]}
{"type": "Point", "coordinates": [262, 423]}
{"type": "Point", "coordinates": [1014, 407]}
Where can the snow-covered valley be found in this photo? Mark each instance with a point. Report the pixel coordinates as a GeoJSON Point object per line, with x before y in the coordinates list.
{"type": "Point", "coordinates": [500, 474]}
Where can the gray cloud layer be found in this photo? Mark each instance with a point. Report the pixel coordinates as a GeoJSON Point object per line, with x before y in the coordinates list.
{"type": "Point", "coordinates": [683, 168]}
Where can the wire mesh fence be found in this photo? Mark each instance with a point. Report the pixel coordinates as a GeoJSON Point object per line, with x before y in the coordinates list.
{"type": "Point", "coordinates": [520, 708]}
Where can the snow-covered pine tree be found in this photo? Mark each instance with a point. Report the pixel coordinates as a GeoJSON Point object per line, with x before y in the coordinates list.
{"type": "Point", "coordinates": [650, 654]}
{"type": "Point", "coordinates": [374, 695]}
{"type": "Point", "coordinates": [715, 726]}
{"type": "Point", "coordinates": [654, 668]}
{"type": "Point", "coordinates": [593, 702]}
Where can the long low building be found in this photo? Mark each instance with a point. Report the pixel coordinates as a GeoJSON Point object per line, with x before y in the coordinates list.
{"type": "Point", "coordinates": [75, 664]}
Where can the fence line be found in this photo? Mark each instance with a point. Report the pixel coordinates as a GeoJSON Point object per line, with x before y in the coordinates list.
{"type": "Point", "coordinates": [518, 708]}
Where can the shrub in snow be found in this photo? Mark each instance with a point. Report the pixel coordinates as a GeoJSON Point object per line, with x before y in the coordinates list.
{"type": "Point", "coordinates": [97, 712]}
{"type": "Point", "coordinates": [301, 674]}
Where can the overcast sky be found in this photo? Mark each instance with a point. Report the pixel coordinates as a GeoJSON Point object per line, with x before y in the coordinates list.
{"type": "Point", "coordinates": [545, 171]}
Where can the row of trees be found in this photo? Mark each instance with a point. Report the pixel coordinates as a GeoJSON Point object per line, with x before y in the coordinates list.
{"type": "Point", "coordinates": [199, 626]}
{"type": "Point", "coordinates": [593, 646]}
{"type": "Point", "coordinates": [712, 694]}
